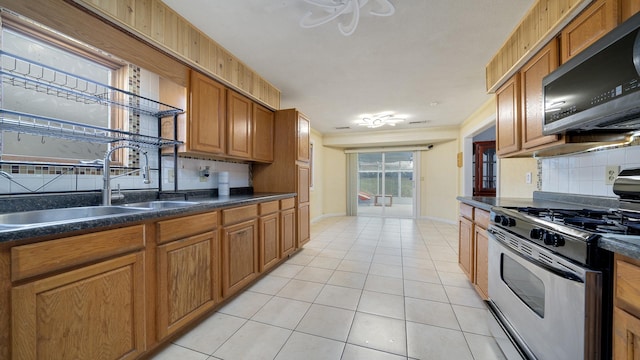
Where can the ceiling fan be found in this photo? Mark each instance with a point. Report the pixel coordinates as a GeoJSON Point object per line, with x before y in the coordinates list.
{"type": "Point", "coordinates": [335, 8]}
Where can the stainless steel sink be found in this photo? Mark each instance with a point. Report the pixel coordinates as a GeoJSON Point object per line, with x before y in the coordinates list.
{"type": "Point", "coordinates": [37, 217]}
{"type": "Point", "coordinates": [161, 204]}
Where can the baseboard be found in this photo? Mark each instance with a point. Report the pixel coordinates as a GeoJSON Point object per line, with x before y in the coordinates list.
{"type": "Point", "coordinates": [324, 216]}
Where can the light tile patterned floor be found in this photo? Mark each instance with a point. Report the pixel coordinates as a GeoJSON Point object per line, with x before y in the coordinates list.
{"type": "Point", "coordinates": [362, 288]}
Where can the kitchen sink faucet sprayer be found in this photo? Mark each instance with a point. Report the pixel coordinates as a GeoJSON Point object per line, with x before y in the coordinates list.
{"type": "Point", "coordinates": [106, 188]}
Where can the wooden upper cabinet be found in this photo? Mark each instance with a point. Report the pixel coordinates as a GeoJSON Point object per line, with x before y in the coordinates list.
{"type": "Point", "coordinates": [628, 8]}
{"type": "Point", "coordinates": [206, 111]}
{"type": "Point", "coordinates": [239, 109]}
{"type": "Point", "coordinates": [594, 22]}
{"type": "Point", "coordinates": [532, 103]}
{"type": "Point", "coordinates": [304, 132]}
{"type": "Point", "coordinates": [263, 133]}
{"type": "Point", "coordinates": [304, 178]}
{"type": "Point", "coordinates": [508, 116]}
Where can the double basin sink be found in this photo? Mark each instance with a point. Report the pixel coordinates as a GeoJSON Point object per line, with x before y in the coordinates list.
{"type": "Point", "coordinates": [17, 220]}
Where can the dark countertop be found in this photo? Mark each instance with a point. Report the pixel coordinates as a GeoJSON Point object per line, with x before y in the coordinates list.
{"type": "Point", "coordinates": [203, 204]}
{"type": "Point", "coordinates": [628, 245]}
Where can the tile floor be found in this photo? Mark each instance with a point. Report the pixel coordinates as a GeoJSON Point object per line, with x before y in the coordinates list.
{"type": "Point", "coordinates": [362, 288]}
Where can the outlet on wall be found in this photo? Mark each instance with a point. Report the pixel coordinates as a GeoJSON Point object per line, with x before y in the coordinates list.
{"type": "Point", "coordinates": [611, 173]}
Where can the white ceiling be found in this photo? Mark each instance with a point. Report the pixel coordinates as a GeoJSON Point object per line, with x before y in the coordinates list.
{"type": "Point", "coordinates": [427, 61]}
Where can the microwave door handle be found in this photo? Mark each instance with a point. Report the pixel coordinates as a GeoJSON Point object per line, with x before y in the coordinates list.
{"type": "Point", "coordinates": [565, 274]}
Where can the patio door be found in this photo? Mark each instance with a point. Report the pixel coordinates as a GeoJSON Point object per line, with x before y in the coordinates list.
{"type": "Point", "coordinates": [385, 184]}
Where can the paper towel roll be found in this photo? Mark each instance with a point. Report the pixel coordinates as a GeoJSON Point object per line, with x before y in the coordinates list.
{"type": "Point", "coordinates": [223, 183]}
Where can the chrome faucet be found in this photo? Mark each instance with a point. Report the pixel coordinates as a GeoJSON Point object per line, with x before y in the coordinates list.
{"type": "Point", "coordinates": [106, 172]}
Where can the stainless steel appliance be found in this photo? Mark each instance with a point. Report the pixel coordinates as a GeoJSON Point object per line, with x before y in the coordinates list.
{"type": "Point", "coordinates": [598, 89]}
{"type": "Point", "coordinates": [550, 285]}
{"type": "Point", "coordinates": [543, 287]}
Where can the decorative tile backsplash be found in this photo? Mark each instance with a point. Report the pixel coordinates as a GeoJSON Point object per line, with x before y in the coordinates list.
{"type": "Point", "coordinates": [586, 173]}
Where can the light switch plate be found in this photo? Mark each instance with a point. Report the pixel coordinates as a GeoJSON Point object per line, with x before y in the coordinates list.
{"type": "Point", "coordinates": [527, 178]}
{"type": "Point", "coordinates": [611, 173]}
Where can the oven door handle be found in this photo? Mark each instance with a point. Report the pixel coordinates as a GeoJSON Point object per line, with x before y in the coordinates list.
{"type": "Point", "coordinates": [565, 274]}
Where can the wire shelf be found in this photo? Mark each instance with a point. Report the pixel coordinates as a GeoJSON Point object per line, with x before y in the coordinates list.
{"type": "Point", "coordinates": [39, 125]}
{"type": "Point", "coordinates": [31, 75]}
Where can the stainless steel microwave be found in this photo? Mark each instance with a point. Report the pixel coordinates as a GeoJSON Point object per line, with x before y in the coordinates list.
{"type": "Point", "coordinates": [598, 89]}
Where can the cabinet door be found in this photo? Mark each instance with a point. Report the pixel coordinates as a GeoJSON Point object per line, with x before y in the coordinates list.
{"type": "Point", "coordinates": [269, 241]}
{"type": "Point", "coordinates": [263, 133]}
{"type": "Point", "coordinates": [187, 284]}
{"type": "Point", "coordinates": [532, 73]}
{"type": "Point", "coordinates": [595, 21]}
{"type": "Point", "coordinates": [507, 116]}
{"type": "Point", "coordinates": [239, 256]}
{"type": "Point", "coordinates": [304, 131]}
{"type": "Point", "coordinates": [304, 227]}
{"type": "Point", "coordinates": [482, 261]}
{"type": "Point", "coordinates": [465, 249]}
{"type": "Point", "coordinates": [206, 110]}
{"type": "Point", "coordinates": [239, 110]}
{"type": "Point", "coordinates": [626, 335]}
{"type": "Point", "coordinates": [287, 231]}
{"type": "Point", "coordinates": [304, 178]}
{"type": "Point", "coordinates": [94, 312]}
{"type": "Point", "coordinates": [628, 8]}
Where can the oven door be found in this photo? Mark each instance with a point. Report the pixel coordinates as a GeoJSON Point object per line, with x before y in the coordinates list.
{"type": "Point", "coordinates": [547, 304]}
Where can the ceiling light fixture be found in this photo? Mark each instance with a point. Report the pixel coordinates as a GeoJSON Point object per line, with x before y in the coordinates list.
{"type": "Point", "coordinates": [332, 9]}
{"type": "Point", "coordinates": [376, 121]}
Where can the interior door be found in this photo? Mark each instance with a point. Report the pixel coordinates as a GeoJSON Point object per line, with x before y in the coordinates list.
{"type": "Point", "coordinates": [386, 185]}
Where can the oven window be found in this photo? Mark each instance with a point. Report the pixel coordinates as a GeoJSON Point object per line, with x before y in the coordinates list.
{"type": "Point", "coordinates": [528, 287]}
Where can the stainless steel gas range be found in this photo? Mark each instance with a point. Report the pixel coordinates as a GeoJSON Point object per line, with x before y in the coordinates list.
{"type": "Point", "coordinates": [549, 283]}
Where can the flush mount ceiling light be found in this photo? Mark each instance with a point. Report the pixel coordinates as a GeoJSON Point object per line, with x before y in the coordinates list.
{"type": "Point", "coordinates": [376, 121]}
{"type": "Point", "coordinates": [332, 9]}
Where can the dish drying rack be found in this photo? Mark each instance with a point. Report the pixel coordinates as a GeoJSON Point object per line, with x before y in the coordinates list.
{"type": "Point", "coordinates": [35, 76]}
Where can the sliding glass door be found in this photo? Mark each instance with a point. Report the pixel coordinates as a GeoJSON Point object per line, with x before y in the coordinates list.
{"type": "Point", "coordinates": [385, 184]}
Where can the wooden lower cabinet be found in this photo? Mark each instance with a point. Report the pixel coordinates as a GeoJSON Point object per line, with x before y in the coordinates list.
{"type": "Point", "coordinates": [465, 246]}
{"type": "Point", "coordinates": [304, 227]}
{"type": "Point", "coordinates": [94, 312]}
{"type": "Point", "coordinates": [239, 256]}
{"type": "Point", "coordinates": [626, 308]}
{"type": "Point", "coordinates": [473, 247]}
{"type": "Point", "coordinates": [482, 262]}
{"type": "Point", "coordinates": [269, 241]}
{"type": "Point", "coordinates": [187, 281]}
{"type": "Point", "coordinates": [287, 232]}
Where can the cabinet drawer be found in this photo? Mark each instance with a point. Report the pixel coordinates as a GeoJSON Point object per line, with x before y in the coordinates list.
{"type": "Point", "coordinates": [232, 216]}
{"type": "Point", "coordinates": [627, 285]}
{"type": "Point", "coordinates": [466, 211]}
{"type": "Point", "coordinates": [41, 258]}
{"type": "Point", "coordinates": [287, 203]}
{"type": "Point", "coordinates": [268, 207]}
{"type": "Point", "coordinates": [174, 229]}
{"type": "Point", "coordinates": [481, 217]}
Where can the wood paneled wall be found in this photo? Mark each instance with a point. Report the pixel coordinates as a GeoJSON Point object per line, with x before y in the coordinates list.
{"type": "Point", "coordinates": [157, 23]}
{"type": "Point", "coordinates": [541, 22]}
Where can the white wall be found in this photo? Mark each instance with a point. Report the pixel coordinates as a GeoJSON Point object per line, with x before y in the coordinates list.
{"type": "Point", "coordinates": [438, 182]}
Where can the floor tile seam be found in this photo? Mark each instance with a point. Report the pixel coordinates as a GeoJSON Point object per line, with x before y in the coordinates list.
{"type": "Point", "coordinates": [190, 349]}
{"type": "Point", "coordinates": [372, 348]}
{"type": "Point", "coordinates": [437, 301]}
{"type": "Point", "coordinates": [435, 326]}
{"type": "Point", "coordinates": [230, 336]}
{"type": "Point", "coordinates": [378, 350]}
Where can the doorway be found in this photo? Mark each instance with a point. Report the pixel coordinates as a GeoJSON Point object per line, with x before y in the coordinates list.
{"type": "Point", "coordinates": [385, 184]}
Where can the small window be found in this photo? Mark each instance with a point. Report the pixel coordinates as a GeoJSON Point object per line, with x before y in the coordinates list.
{"type": "Point", "coordinates": [39, 45]}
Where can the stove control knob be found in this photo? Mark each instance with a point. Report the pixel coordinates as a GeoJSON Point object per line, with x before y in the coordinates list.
{"type": "Point", "coordinates": [536, 234]}
{"type": "Point", "coordinates": [498, 219]}
{"type": "Point", "coordinates": [507, 221]}
{"type": "Point", "coordinates": [553, 239]}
